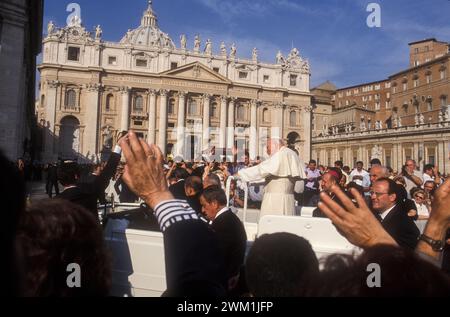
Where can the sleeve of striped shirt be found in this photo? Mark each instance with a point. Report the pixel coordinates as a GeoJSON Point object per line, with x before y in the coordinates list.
{"type": "Point", "coordinates": [173, 211]}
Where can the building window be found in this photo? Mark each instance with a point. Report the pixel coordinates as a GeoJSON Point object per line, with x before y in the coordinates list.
{"type": "Point", "coordinates": [388, 104]}
{"type": "Point", "coordinates": [394, 89]}
{"type": "Point", "coordinates": [173, 65]}
{"type": "Point", "coordinates": [416, 83]}
{"type": "Point", "coordinates": [266, 115]}
{"type": "Point", "coordinates": [293, 119]}
{"type": "Point", "coordinates": [141, 62]}
{"type": "Point", "coordinates": [138, 104]}
{"type": "Point", "coordinates": [293, 80]}
{"type": "Point", "coordinates": [405, 86]}
{"type": "Point", "coordinates": [430, 105]}
{"type": "Point", "coordinates": [171, 107]}
{"type": "Point", "coordinates": [214, 113]}
{"type": "Point", "coordinates": [377, 105]}
{"type": "Point", "coordinates": [442, 73]}
{"type": "Point", "coordinates": [416, 50]}
{"type": "Point", "coordinates": [241, 113]}
{"type": "Point", "coordinates": [71, 99]}
{"type": "Point", "coordinates": [192, 107]}
{"type": "Point", "coordinates": [109, 102]}
{"type": "Point", "coordinates": [138, 123]}
{"type": "Point", "coordinates": [216, 69]}
{"type": "Point", "coordinates": [112, 60]}
{"type": "Point", "coordinates": [416, 63]}
{"type": "Point", "coordinates": [427, 48]}
{"type": "Point", "coordinates": [266, 79]}
{"type": "Point", "coordinates": [73, 54]}
{"type": "Point", "coordinates": [243, 75]}
{"type": "Point", "coordinates": [42, 101]}
{"type": "Point", "coordinates": [428, 78]}
{"type": "Point", "coordinates": [443, 101]}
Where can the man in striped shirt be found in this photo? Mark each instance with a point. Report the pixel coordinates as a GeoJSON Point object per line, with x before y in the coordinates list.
{"type": "Point", "coordinates": [194, 264]}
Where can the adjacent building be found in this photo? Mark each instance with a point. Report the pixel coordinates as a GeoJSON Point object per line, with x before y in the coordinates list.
{"type": "Point", "coordinates": [401, 117]}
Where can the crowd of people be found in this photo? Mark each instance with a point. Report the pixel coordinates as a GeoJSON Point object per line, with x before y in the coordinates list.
{"type": "Point", "coordinates": [375, 210]}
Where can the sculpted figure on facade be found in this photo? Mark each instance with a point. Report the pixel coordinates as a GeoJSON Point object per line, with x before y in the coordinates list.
{"type": "Point", "coordinates": [208, 47]}
{"type": "Point", "coordinates": [98, 32]}
{"type": "Point", "coordinates": [183, 41]}
{"type": "Point", "coordinates": [421, 119]}
{"type": "Point", "coordinates": [50, 28]}
{"type": "Point", "coordinates": [223, 49]}
{"type": "Point", "coordinates": [377, 152]}
{"type": "Point", "coordinates": [416, 119]}
{"type": "Point", "coordinates": [197, 44]}
{"type": "Point", "coordinates": [233, 51]}
{"type": "Point", "coordinates": [280, 58]}
{"type": "Point", "coordinates": [255, 54]}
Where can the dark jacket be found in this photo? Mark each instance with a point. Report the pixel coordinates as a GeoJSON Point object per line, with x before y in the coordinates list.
{"type": "Point", "coordinates": [232, 241]}
{"type": "Point", "coordinates": [401, 227]}
{"type": "Point", "coordinates": [86, 194]}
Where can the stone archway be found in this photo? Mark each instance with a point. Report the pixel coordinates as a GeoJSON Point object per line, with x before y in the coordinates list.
{"type": "Point", "coordinates": [69, 138]}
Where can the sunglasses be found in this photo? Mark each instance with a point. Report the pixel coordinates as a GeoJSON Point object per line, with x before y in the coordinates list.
{"type": "Point", "coordinates": [421, 197]}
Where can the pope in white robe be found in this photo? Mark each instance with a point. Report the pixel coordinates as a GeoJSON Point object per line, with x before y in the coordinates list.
{"type": "Point", "coordinates": [280, 172]}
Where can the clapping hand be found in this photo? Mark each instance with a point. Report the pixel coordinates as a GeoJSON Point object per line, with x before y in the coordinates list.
{"type": "Point", "coordinates": [357, 224]}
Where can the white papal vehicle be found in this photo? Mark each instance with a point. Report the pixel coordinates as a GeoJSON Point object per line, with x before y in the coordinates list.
{"type": "Point", "coordinates": [137, 245]}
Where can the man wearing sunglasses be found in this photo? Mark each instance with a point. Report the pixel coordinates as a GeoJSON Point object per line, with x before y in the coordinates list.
{"type": "Point", "coordinates": [389, 211]}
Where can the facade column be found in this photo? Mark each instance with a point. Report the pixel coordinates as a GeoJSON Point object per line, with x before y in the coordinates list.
{"type": "Point", "coordinates": [306, 125]}
{"type": "Point", "coordinates": [162, 138]}
{"type": "Point", "coordinates": [446, 158]}
{"type": "Point", "coordinates": [230, 128]}
{"type": "Point", "coordinates": [253, 130]}
{"type": "Point", "coordinates": [441, 156]}
{"type": "Point", "coordinates": [125, 117]}
{"type": "Point", "coordinates": [206, 120]}
{"type": "Point", "coordinates": [181, 123]}
{"type": "Point", "coordinates": [223, 122]}
{"type": "Point", "coordinates": [50, 117]}
{"type": "Point", "coordinates": [91, 144]}
{"type": "Point", "coordinates": [151, 135]}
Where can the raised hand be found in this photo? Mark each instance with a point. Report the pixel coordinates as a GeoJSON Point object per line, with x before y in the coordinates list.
{"type": "Point", "coordinates": [357, 224]}
{"type": "Point", "coordinates": [144, 172]}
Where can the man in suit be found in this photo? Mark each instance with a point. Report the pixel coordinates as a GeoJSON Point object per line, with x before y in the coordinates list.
{"type": "Point", "coordinates": [229, 230]}
{"type": "Point", "coordinates": [86, 194]}
{"type": "Point", "coordinates": [389, 211]}
{"type": "Point", "coordinates": [52, 180]}
{"type": "Point", "coordinates": [330, 178]}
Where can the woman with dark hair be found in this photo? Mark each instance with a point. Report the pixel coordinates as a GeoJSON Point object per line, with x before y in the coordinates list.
{"type": "Point", "coordinates": [55, 237]}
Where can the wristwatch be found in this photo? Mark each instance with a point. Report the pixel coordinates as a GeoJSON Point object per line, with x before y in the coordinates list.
{"type": "Point", "coordinates": [436, 245]}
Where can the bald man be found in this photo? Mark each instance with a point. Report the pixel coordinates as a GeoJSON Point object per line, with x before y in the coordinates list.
{"type": "Point", "coordinates": [280, 172]}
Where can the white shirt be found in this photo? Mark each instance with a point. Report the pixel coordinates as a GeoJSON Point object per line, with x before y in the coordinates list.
{"type": "Point", "coordinates": [422, 210]}
{"type": "Point", "coordinates": [222, 211]}
{"type": "Point", "coordinates": [384, 214]}
{"type": "Point", "coordinates": [365, 182]}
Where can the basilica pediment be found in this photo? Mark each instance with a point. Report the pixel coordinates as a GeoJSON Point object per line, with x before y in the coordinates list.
{"type": "Point", "coordinates": [196, 71]}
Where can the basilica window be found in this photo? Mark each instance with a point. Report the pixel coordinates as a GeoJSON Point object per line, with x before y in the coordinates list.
{"type": "Point", "coordinates": [109, 102]}
{"type": "Point", "coordinates": [429, 104]}
{"type": "Point", "coordinates": [266, 79]}
{"type": "Point", "coordinates": [173, 65]}
{"type": "Point", "coordinates": [214, 113]}
{"type": "Point", "coordinates": [429, 78]}
{"type": "Point", "coordinates": [266, 116]}
{"type": "Point", "coordinates": [71, 99]}
{"type": "Point", "coordinates": [141, 62]}
{"type": "Point", "coordinates": [138, 104]}
{"type": "Point", "coordinates": [216, 69]}
{"type": "Point", "coordinates": [243, 75]}
{"type": "Point", "coordinates": [42, 101]}
{"type": "Point", "coordinates": [241, 113]}
{"type": "Point", "coordinates": [192, 108]}
{"type": "Point", "coordinates": [293, 80]}
{"type": "Point", "coordinates": [293, 119]}
{"type": "Point", "coordinates": [171, 107]}
{"type": "Point", "coordinates": [73, 54]}
{"type": "Point", "coordinates": [442, 73]}
{"type": "Point", "coordinates": [112, 60]}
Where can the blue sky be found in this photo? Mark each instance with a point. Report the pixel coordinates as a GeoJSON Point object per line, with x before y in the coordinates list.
{"type": "Point", "coordinates": [331, 34]}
